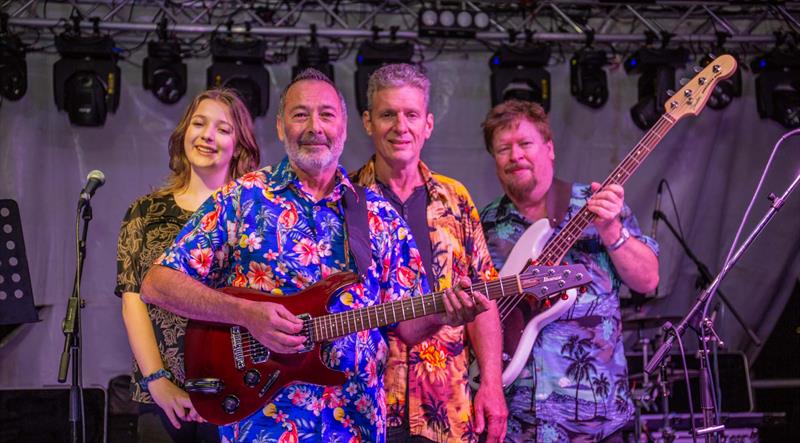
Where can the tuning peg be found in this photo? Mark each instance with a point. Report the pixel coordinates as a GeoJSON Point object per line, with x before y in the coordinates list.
{"type": "Point", "coordinates": [684, 81]}
{"type": "Point", "coordinates": [670, 92]}
{"type": "Point", "coordinates": [564, 296]}
{"type": "Point", "coordinates": [582, 289]}
{"type": "Point", "coordinates": [696, 69]}
{"type": "Point", "coordinates": [712, 56]}
{"type": "Point", "coordinates": [546, 304]}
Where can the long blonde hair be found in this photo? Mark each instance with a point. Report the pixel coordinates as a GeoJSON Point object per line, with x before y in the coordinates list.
{"type": "Point", "coordinates": [246, 156]}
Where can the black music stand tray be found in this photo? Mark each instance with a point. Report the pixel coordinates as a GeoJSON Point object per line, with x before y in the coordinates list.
{"type": "Point", "coordinates": [16, 296]}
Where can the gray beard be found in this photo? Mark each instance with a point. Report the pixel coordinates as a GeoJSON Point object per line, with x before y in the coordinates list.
{"type": "Point", "coordinates": [311, 162]}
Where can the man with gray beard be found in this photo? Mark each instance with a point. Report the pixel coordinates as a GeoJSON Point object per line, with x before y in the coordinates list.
{"type": "Point", "coordinates": [281, 229]}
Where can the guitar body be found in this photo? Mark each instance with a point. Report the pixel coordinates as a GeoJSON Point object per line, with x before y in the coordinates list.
{"type": "Point", "coordinates": [223, 391]}
{"type": "Point", "coordinates": [522, 324]}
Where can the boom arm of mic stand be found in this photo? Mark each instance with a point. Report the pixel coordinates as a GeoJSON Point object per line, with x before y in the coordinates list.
{"type": "Point", "coordinates": [706, 275]}
{"type": "Point", "coordinates": [777, 203]}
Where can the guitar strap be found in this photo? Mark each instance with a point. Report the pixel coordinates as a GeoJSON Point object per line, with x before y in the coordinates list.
{"type": "Point", "coordinates": [557, 201]}
{"type": "Point", "coordinates": [356, 221]}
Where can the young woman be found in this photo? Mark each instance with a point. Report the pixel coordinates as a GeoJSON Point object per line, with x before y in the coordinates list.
{"type": "Point", "coordinates": [212, 144]}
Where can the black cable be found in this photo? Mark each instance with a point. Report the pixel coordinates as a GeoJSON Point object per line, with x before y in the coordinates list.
{"type": "Point", "coordinates": [686, 379]}
{"type": "Point", "coordinates": [675, 209]}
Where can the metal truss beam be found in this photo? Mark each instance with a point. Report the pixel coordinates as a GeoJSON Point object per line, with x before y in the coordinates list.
{"type": "Point", "coordinates": [751, 27]}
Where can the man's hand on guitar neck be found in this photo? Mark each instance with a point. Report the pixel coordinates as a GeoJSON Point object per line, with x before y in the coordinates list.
{"type": "Point", "coordinates": [461, 307]}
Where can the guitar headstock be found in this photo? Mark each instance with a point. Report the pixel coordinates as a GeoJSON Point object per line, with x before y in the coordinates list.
{"type": "Point", "coordinates": [542, 282]}
{"type": "Point", "coordinates": [692, 97]}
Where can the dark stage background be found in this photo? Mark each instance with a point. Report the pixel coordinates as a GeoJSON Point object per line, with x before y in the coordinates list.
{"type": "Point", "coordinates": [712, 163]}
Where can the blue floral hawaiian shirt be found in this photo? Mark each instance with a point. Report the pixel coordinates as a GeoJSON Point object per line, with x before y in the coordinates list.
{"type": "Point", "coordinates": [577, 369]}
{"type": "Point", "coordinates": [264, 231]}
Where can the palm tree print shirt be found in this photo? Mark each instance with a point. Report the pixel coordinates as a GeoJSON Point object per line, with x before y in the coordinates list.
{"type": "Point", "coordinates": [576, 376]}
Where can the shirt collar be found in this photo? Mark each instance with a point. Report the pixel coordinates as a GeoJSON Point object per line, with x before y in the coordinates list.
{"type": "Point", "coordinates": [368, 177]}
{"type": "Point", "coordinates": [284, 175]}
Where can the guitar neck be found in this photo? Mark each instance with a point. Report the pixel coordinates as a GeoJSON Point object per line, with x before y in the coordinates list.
{"type": "Point", "coordinates": [343, 323]}
{"type": "Point", "coordinates": [556, 249]}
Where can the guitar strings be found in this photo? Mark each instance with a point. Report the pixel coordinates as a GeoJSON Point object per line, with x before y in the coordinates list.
{"type": "Point", "coordinates": [558, 250]}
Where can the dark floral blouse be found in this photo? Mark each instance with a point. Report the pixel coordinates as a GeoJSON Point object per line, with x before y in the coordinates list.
{"type": "Point", "coordinates": [150, 225]}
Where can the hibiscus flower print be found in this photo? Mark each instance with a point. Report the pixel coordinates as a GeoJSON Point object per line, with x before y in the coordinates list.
{"type": "Point", "coordinates": [253, 242]}
{"type": "Point", "coordinates": [200, 261]}
{"type": "Point", "coordinates": [299, 396]}
{"type": "Point", "coordinates": [307, 251]}
{"type": "Point", "coordinates": [260, 277]}
{"type": "Point", "coordinates": [252, 179]}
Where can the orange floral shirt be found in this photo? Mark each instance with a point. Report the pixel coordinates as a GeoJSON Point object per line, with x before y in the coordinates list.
{"type": "Point", "coordinates": [434, 372]}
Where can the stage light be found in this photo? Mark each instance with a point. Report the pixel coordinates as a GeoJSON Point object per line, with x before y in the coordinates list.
{"type": "Point", "coordinates": [587, 78]}
{"type": "Point", "coordinates": [778, 87]}
{"type": "Point", "coordinates": [518, 73]}
{"type": "Point", "coordinates": [164, 73]}
{"type": "Point", "coordinates": [86, 80]}
{"type": "Point", "coordinates": [13, 69]}
{"type": "Point", "coordinates": [238, 63]}
{"type": "Point", "coordinates": [313, 56]}
{"type": "Point", "coordinates": [657, 69]}
{"type": "Point", "coordinates": [725, 90]}
{"type": "Point", "coordinates": [455, 23]}
{"type": "Point", "coordinates": [371, 56]}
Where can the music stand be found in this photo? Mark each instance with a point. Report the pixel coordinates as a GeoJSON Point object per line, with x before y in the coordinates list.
{"type": "Point", "coordinates": [16, 295]}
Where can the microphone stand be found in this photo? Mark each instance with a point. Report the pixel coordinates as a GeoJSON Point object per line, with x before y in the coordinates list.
{"type": "Point", "coordinates": [706, 326]}
{"type": "Point", "coordinates": [71, 326]}
{"type": "Point", "coordinates": [706, 278]}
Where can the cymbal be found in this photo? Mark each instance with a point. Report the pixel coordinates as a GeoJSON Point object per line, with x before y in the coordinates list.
{"type": "Point", "coordinates": [648, 321]}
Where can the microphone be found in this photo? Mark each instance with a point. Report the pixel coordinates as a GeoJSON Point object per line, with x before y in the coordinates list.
{"type": "Point", "coordinates": [657, 211]}
{"type": "Point", "coordinates": [94, 180]}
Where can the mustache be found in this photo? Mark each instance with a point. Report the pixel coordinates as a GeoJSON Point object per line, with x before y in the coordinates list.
{"type": "Point", "coordinates": [312, 139]}
{"type": "Point", "coordinates": [517, 167]}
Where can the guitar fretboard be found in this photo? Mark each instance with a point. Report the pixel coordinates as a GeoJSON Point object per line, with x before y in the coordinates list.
{"type": "Point", "coordinates": [343, 323]}
{"type": "Point", "coordinates": [557, 248]}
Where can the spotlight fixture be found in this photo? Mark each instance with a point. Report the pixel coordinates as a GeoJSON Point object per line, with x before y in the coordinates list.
{"type": "Point", "coordinates": [13, 69]}
{"type": "Point", "coordinates": [778, 86]}
{"type": "Point", "coordinates": [371, 56]}
{"type": "Point", "coordinates": [518, 73]}
{"type": "Point", "coordinates": [313, 56]}
{"type": "Point", "coordinates": [657, 69]}
{"type": "Point", "coordinates": [86, 80]}
{"type": "Point", "coordinates": [238, 64]}
{"type": "Point", "coordinates": [451, 23]}
{"type": "Point", "coordinates": [587, 78]}
{"type": "Point", "coordinates": [164, 72]}
{"type": "Point", "coordinates": [725, 90]}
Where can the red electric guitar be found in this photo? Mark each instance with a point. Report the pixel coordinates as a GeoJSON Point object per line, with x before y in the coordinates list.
{"type": "Point", "coordinates": [230, 375]}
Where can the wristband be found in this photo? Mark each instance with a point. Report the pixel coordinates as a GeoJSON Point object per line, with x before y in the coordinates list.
{"type": "Point", "coordinates": [154, 376]}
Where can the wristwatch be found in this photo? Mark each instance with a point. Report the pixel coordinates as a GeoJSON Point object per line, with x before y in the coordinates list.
{"type": "Point", "coordinates": [154, 376]}
{"type": "Point", "coordinates": [624, 235]}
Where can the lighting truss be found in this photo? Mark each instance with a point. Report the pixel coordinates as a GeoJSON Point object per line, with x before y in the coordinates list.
{"type": "Point", "coordinates": [567, 22]}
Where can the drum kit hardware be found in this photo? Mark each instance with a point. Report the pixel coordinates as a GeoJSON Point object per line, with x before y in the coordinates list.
{"type": "Point", "coordinates": [646, 390]}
